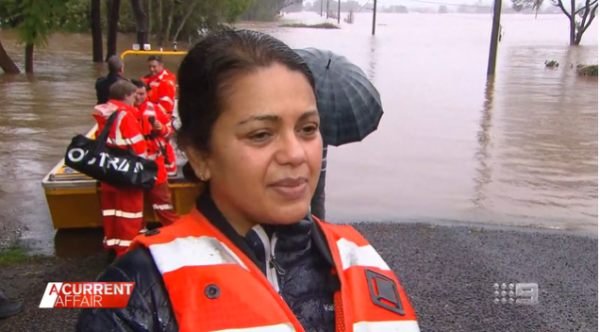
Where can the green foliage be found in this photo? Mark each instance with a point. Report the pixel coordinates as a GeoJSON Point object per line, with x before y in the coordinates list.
{"type": "Point", "coordinates": [236, 9]}
{"type": "Point", "coordinates": [262, 10]}
{"type": "Point", "coordinates": [126, 18]}
{"type": "Point", "coordinates": [13, 255]}
{"type": "Point", "coordinates": [202, 15]}
{"type": "Point", "coordinates": [584, 70]}
{"type": "Point", "coordinates": [34, 19]}
{"type": "Point", "coordinates": [76, 17]}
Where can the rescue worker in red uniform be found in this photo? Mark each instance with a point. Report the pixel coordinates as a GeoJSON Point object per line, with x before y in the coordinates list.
{"type": "Point", "coordinates": [156, 134]}
{"type": "Point", "coordinates": [122, 209]}
{"type": "Point", "coordinates": [249, 256]}
{"type": "Point", "coordinates": [162, 93]}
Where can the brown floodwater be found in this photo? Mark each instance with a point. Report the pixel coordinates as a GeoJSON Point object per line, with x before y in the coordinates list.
{"type": "Point", "coordinates": [452, 147]}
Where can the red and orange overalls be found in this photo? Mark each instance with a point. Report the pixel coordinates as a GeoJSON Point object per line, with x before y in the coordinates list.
{"type": "Point", "coordinates": [122, 209]}
{"type": "Point", "coordinates": [160, 195]}
{"type": "Point", "coordinates": [162, 93]}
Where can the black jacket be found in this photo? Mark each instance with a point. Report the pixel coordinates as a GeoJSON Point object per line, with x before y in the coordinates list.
{"type": "Point", "coordinates": [303, 262]}
{"type": "Point", "coordinates": [103, 87]}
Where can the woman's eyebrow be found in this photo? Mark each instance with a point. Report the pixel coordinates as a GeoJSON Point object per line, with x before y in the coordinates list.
{"type": "Point", "coordinates": [276, 118]}
{"type": "Point", "coordinates": [308, 114]}
{"type": "Point", "coordinates": [261, 117]}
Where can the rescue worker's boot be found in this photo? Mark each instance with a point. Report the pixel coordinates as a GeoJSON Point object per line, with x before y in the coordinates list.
{"type": "Point", "coordinates": [9, 307]}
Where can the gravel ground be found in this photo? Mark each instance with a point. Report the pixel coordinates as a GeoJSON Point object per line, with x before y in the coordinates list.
{"type": "Point", "coordinates": [448, 273]}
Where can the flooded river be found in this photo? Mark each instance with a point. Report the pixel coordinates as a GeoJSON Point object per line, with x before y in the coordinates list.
{"type": "Point", "coordinates": [452, 147]}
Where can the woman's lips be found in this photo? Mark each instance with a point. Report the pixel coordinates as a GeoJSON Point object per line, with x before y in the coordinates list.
{"type": "Point", "coordinates": [291, 188]}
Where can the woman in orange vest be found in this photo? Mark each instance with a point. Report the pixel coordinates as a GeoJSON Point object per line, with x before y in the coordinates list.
{"type": "Point", "coordinates": [249, 257]}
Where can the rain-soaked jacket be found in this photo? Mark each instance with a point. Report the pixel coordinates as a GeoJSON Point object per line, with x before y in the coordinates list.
{"type": "Point", "coordinates": [304, 277]}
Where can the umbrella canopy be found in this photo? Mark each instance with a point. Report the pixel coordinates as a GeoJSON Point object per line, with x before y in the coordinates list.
{"type": "Point", "coordinates": [349, 105]}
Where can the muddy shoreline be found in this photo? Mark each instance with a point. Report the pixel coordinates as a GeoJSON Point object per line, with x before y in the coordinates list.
{"type": "Point", "coordinates": [447, 271]}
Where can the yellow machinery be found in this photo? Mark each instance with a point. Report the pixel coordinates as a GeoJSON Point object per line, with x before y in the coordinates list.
{"type": "Point", "coordinates": [74, 198]}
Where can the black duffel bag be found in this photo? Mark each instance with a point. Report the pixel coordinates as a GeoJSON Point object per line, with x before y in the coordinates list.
{"type": "Point", "coordinates": [110, 165]}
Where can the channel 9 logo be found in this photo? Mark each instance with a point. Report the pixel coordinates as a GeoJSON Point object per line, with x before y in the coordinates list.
{"type": "Point", "coordinates": [516, 293]}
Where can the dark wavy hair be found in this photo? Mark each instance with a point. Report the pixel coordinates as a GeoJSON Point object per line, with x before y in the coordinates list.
{"type": "Point", "coordinates": [208, 66]}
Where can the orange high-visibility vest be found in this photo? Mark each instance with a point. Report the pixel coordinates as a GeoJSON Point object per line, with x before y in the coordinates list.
{"type": "Point", "coordinates": [214, 286]}
{"type": "Point", "coordinates": [162, 91]}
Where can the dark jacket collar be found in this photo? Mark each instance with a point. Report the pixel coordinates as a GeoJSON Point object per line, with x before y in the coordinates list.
{"type": "Point", "coordinates": [207, 207]}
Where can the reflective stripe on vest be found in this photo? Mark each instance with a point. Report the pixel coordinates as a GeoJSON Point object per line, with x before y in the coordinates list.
{"type": "Point", "coordinates": [192, 251]}
{"type": "Point", "coordinates": [204, 250]}
{"type": "Point", "coordinates": [119, 140]}
{"type": "Point", "coordinates": [365, 275]}
{"type": "Point", "coordinates": [193, 256]}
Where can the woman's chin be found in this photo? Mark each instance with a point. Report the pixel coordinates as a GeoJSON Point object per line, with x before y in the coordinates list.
{"type": "Point", "coordinates": [286, 215]}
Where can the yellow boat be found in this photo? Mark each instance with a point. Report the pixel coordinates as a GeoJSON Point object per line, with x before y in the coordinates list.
{"type": "Point", "coordinates": [74, 198]}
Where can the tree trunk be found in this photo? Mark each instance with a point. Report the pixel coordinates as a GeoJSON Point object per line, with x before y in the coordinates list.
{"type": "Point", "coordinates": [96, 25]}
{"type": "Point", "coordinates": [141, 22]}
{"type": "Point", "coordinates": [170, 21]}
{"type": "Point", "coordinates": [148, 9]}
{"type": "Point", "coordinates": [159, 29]}
{"type": "Point", "coordinates": [182, 24]}
{"type": "Point", "coordinates": [6, 63]}
{"type": "Point", "coordinates": [113, 25]}
{"type": "Point", "coordinates": [29, 58]}
{"type": "Point", "coordinates": [572, 24]}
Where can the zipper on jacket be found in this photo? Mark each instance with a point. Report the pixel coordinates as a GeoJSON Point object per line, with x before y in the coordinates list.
{"type": "Point", "coordinates": [271, 265]}
{"type": "Point", "coordinates": [273, 262]}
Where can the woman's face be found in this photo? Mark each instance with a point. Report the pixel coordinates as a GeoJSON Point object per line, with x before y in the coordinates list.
{"type": "Point", "coordinates": [266, 148]}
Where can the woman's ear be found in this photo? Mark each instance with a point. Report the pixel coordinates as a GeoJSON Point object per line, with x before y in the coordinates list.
{"type": "Point", "coordinates": [198, 162]}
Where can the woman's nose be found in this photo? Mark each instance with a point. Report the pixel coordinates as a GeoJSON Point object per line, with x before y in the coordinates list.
{"type": "Point", "coordinates": [290, 150]}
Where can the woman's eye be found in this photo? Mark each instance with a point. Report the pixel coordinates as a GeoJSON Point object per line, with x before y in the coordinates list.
{"type": "Point", "coordinates": [309, 130]}
{"type": "Point", "coordinates": [260, 136]}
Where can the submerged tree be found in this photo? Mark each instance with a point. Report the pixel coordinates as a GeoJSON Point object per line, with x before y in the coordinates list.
{"type": "Point", "coordinates": [96, 27]}
{"type": "Point", "coordinates": [580, 15]}
{"type": "Point", "coordinates": [6, 63]}
{"type": "Point", "coordinates": [113, 10]}
{"type": "Point", "coordinates": [141, 16]}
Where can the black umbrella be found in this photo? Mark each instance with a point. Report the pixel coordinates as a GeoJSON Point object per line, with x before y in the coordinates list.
{"type": "Point", "coordinates": [349, 105]}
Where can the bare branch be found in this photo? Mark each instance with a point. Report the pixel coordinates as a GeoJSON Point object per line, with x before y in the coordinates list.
{"type": "Point", "coordinates": [188, 13]}
{"type": "Point", "coordinates": [562, 7]}
{"type": "Point", "coordinates": [592, 16]}
{"type": "Point", "coordinates": [588, 5]}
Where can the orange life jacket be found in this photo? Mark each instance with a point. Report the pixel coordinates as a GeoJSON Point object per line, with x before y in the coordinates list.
{"type": "Point", "coordinates": [213, 286]}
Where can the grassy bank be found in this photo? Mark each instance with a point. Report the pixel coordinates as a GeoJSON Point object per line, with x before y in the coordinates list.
{"type": "Point", "coordinates": [325, 25]}
{"type": "Point", "coordinates": [13, 255]}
